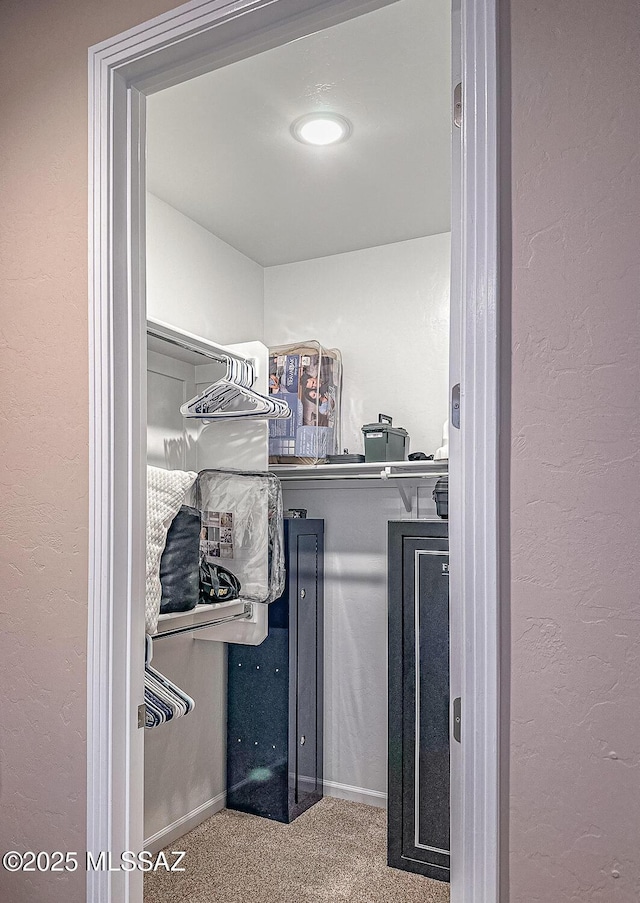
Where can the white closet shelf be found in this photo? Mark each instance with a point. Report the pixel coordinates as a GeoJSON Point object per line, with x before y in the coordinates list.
{"type": "Point", "coordinates": [200, 616]}
{"type": "Point", "coordinates": [374, 470]}
{"type": "Point", "coordinates": [374, 475]}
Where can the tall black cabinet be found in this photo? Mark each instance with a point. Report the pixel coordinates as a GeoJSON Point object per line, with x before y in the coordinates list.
{"type": "Point", "coordinates": [275, 693]}
{"type": "Point", "coordinates": [418, 824]}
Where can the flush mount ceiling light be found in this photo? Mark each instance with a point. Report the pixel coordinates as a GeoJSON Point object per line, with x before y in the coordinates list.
{"type": "Point", "coordinates": [321, 129]}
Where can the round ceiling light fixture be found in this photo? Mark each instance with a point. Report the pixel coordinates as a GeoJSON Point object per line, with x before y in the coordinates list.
{"type": "Point", "coordinates": [321, 129]}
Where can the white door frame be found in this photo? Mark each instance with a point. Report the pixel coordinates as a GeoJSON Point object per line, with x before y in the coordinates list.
{"type": "Point", "coordinates": [192, 39]}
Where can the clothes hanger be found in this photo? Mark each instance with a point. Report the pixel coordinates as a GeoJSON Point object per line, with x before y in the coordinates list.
{"type": "Point", "coordinates": [226, 401]}
{"type": "Point", "coordinates": [231, 398]}
{"type": "Point", "coordinates": [163, 699]}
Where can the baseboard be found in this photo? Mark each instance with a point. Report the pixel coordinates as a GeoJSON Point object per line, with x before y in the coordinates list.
{"type": "Point", "coordinates": [185, 824]}
{"type": "Point", "coordinates": [356, 794]}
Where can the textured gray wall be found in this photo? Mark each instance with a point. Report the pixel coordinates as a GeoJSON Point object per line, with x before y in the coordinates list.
{"type": "Point", "coordinates": [575, 480]}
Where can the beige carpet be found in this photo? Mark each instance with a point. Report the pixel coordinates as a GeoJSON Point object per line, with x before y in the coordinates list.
{"type": "Point", "coordinates": [334, 853]}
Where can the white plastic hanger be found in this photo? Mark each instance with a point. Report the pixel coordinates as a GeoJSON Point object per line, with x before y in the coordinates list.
{"type": "Point", "coordinates": [231, 398]}
{"type": "Point", "coordinates": [164, 701]}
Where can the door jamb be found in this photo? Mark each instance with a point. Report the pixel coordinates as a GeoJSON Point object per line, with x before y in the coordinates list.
{"type": "Point", "coordinates": [187, 41]}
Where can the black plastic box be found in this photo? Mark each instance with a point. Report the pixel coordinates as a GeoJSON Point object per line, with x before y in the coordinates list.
{"type": "Point", "coordinates": [441, 497]}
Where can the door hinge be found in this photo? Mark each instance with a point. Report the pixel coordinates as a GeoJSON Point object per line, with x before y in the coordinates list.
{"type": "Point", "coordinates": [457, 718]}
{"type": "Point", "coordinates": [142, 715]}
{"type": "Point", "coordinates": [457, 105]}
{"type": "Point", "coordinates": [455, 406]}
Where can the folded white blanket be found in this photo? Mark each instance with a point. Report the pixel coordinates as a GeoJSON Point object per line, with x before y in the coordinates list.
{"type": "Point", "coordinates": [166, 490]}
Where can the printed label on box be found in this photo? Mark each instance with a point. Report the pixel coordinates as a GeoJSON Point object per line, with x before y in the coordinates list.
{"type": "Point", "coordinates": [216, 536]}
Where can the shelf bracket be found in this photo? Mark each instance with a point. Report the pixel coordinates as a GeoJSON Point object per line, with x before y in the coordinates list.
{"type": "Point", "coordinates": [407, 501]}
{"type": "Point", "coordinates": [405, 496]}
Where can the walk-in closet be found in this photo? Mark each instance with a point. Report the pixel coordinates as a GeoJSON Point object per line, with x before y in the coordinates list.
{"type": "Point", "coordinates": [298, 258]}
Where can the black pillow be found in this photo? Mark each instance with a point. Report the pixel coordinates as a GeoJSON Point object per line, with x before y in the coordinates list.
{"type": "Point", "coordinates": [180, 563]}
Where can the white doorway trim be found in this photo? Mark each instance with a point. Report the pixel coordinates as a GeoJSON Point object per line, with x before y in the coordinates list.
{"type": "Point", "coordinates": [473, 468]}
{"type": "Point", "coordinates": [192, 39]}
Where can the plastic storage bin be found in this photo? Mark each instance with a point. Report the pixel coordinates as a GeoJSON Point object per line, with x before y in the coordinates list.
{"type": "Point", "coordinates": [441, 497]}
{"type": "Point", "coordinates": [309, 378]}
{"type": "Point", "coordinates": [385, 442]}
{"type": "Point", "coordinates": [242, 529]}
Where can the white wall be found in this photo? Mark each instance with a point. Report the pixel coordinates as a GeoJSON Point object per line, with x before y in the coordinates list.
{"type": "Point", "coordinates": [387, 310]}
{"type": "Point", "coordinates": [355, 621]}
{"type": "Point", "coordinates": [197, 282]}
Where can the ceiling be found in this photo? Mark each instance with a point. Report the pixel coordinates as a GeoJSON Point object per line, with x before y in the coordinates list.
{"type": "Point", "coordinates": [220, 149]}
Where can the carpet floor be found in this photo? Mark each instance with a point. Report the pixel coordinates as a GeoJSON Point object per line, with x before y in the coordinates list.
{"type": "Point", "coordinates": [333, 853]}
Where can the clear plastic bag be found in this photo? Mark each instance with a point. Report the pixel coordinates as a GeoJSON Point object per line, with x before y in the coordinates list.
{"type": "Point", "coordinates": [309, 378]}
{"type": "Point", "coordinates": [242, 529]}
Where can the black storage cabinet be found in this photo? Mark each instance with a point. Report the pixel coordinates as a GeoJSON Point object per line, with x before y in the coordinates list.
{"type": "Point", "coordinates": [419, 769]}
{"type": "Point", "coordinates": [275, 692]}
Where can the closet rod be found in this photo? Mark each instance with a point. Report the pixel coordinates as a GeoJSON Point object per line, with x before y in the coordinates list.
{"type": "Point", "coordinates": [189, 628]}
{"type": "Point", "coordinates": [181, 339]}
